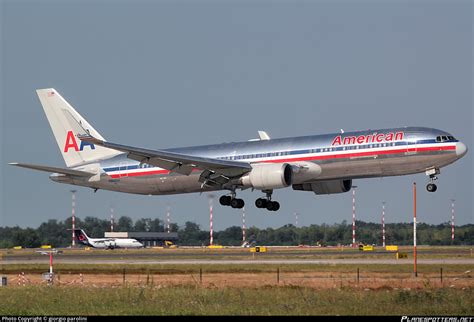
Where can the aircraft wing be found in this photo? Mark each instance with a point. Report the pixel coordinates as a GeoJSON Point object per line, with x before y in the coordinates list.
{"type": "Point", "coordinates": [216, 171]}
{"type": "Point", "coordinates": [70, 172]}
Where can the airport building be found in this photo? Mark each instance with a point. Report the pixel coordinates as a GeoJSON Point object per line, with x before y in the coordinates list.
{"type": "Point", "coordinates": [147, 238]}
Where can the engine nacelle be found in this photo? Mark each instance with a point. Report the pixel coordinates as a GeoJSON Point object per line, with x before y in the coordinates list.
{"type": "Point", "coordinates": [325, 187]}
{"type": "Point", "coordinates": [266, 176]}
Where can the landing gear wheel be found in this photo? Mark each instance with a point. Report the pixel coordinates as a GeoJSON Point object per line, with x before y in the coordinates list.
{"type": "Point", "coordinates": [267, 202]}
{"type": "Point", "coordinates": [261, 203]}
{"type": "Point", "coordinates": [273, 206]}
{"type": "Point", "coordinates": [225, 200]}
{"type": "Point", "coordinates": [431, 187]}
{"type": "Point", "coordinates": [237, 203]}
{"type": "Point", "coordinates": [276, 205]}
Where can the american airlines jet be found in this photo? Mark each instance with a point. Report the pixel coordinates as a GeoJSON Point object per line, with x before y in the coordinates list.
{"type": "Point", "coordinates": [108, 243]}
{"type": "Point", "coordinates": [323, 164]}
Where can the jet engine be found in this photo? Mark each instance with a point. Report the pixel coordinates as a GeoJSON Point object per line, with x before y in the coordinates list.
{"type": "Point", "coordinates": [325, 187]}
{"type": "Point", "coordinates": [267, 176]}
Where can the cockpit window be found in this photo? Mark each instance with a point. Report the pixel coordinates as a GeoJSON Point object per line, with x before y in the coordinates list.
{"type": "Point", "coordinates": [445, 138]}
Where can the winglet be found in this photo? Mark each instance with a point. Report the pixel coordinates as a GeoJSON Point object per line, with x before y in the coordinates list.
{"type": "Point", "coordinates": [263, 135]}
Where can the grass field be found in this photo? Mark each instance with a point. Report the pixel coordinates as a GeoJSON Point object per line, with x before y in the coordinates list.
{"type": "Point", "coordinates": [82, 288]}
{"type": "Point", "coordinates": [228, 268]}
{"type": "Point", "coordinates": [270, 300]}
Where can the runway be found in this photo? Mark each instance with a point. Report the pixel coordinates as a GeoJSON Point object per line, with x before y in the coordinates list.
{"type": "Point", "coordinates": [242, 256]}
{"type": "Point", "coordinates": [339, 261]}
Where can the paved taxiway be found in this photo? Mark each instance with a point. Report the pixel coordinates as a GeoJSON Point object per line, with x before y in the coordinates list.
{"type": "Point", "coordinates": [126, 261]}
{"type": "Point", "coordinates": [241, 256]}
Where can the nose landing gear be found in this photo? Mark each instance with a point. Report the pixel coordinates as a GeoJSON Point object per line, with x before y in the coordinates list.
{"type": "Point", "coordinates": [431, 186]}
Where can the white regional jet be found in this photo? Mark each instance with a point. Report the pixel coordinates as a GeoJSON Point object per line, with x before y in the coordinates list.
{"type": "Point", "coordinates": [323, 164]}
{"type": "Point", "coordinates": [109, 243]}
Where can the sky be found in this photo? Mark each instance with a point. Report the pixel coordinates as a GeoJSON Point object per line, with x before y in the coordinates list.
{"type": "Point", "coordinates": [163, 74]}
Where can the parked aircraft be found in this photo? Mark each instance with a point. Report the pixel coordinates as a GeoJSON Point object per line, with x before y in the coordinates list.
{"type": "Point", "coordinates": [109, 243]}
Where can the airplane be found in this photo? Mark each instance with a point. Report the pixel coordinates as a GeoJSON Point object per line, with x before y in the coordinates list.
{"type": "Point", "coordinates": [323, 164]}
{"type": "Point", "coordinates": [108, 243]}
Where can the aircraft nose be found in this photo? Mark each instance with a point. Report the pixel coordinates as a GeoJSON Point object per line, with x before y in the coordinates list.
{"type": "Point", "coordinates": [461, 149]}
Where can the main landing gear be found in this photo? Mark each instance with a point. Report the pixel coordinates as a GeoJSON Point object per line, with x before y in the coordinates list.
{"type": "Point", "coordinates": [232, 201]}
{"type": "Point", "coordinates": [267, 202]}
{"type": "Point", "coordinates": [431, 186]}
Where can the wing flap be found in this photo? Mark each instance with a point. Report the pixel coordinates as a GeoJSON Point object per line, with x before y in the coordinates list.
{"type": "Point", "coordinates": [176, 162]}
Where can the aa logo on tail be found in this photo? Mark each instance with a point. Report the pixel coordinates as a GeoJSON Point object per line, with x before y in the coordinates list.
{"type": "Point", "coordinates": [72, 143]}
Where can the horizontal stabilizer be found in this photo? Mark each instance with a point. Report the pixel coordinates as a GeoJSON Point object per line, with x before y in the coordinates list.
{"type": "Point", "coordinates": [70, 172]}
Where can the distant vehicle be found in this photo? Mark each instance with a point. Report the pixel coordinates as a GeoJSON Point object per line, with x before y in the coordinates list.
{"type": "Point", "coordinates": [247, 244]}
{"type": "Point", "coordinates": [323, 164]}
{"type": "Point", "coordinates": [169, 244]}
{"type": "Point", "coordinates": [107, 243]}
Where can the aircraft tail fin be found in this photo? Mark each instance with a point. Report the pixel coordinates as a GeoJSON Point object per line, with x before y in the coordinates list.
{"type": "Point", "coordinates": [82, 237]}
{"type": "Point", "coordinates": [63, 119]}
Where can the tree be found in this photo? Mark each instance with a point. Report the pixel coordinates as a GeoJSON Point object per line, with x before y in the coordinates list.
{"type": "Point", "coordinates": [125, 223]}
{"type": "Point", "coordinates": [155, 225]}
{"type": "Point", "coordinates": [192, 235]}
{"type": "Point", "coordinates": [230, 236]}
{"type": "Point", "coordinates": [143, 224]}
{"type": "Point", "coordinates": [56, 233]}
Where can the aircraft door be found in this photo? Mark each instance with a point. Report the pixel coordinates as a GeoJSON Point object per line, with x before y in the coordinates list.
{"type": "Point", "coordinates": [122, 167]}
{"type": "Point", "coordinates": [411, 147]}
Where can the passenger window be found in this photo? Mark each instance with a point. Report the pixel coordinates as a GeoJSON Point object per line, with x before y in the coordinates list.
{"type": "Point", "coordinates": [444, 138]}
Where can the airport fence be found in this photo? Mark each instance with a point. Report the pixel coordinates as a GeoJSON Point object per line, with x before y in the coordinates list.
{"type": "Point", "coordinates": [271, 277]}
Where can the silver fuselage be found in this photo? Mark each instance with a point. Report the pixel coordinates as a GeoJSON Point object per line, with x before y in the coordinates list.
{"type": "Point", "coordinates": [338, 156]}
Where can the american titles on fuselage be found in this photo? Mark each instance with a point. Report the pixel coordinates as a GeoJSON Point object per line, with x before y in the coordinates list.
{"type": "Point", "coordinates": [370, 138]}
